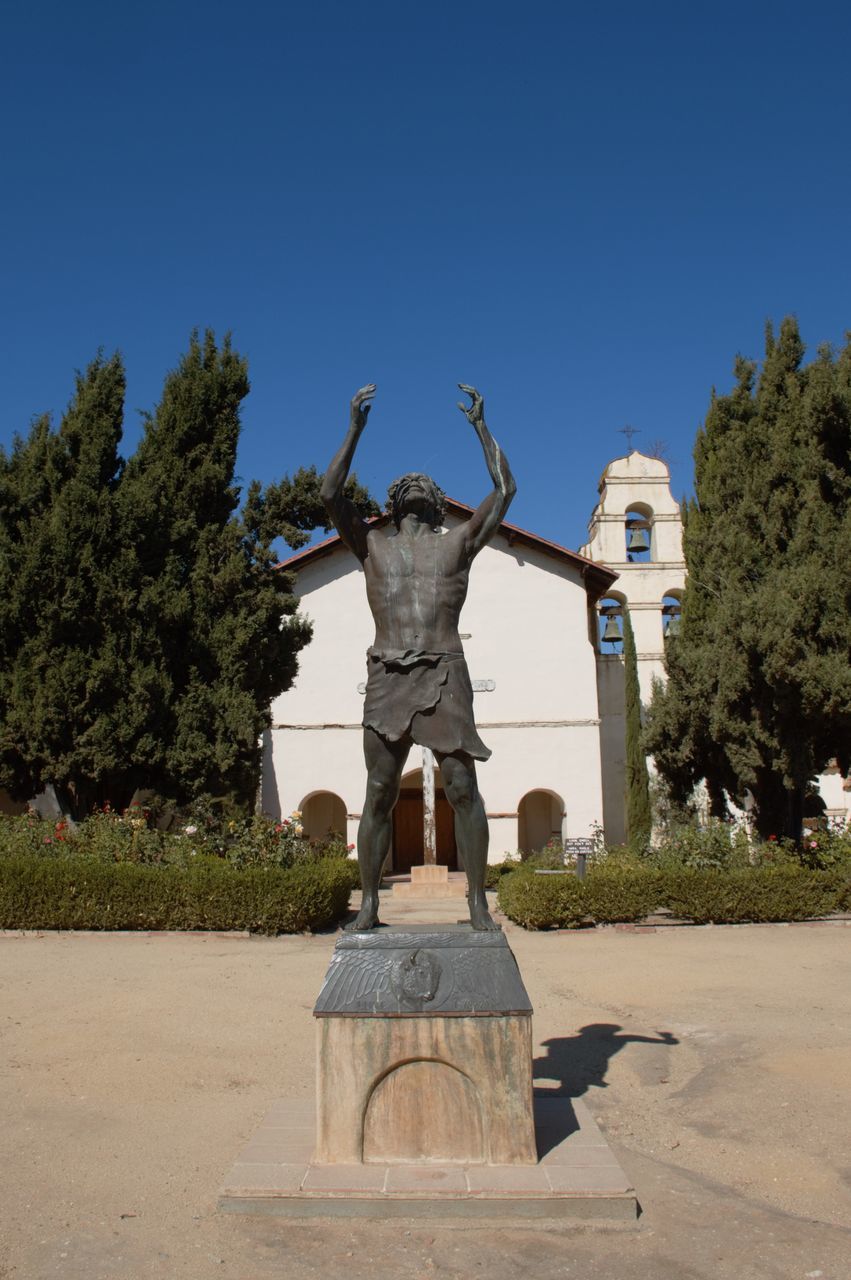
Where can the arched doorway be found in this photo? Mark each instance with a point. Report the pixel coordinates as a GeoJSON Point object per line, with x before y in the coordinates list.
{"type": "Point", "coordinates": [540, 818]}
{"type": "Point", "coordinates": [323, 814]}
{"type": "Point", "coordinates": [408, 848]}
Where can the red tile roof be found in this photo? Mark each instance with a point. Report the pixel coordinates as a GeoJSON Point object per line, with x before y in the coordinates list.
{"type": "Point", "coordinates": [598, 577]}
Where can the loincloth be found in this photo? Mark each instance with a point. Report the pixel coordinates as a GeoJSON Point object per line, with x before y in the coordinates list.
{"type": "Point", "coordinates": [424, 697]}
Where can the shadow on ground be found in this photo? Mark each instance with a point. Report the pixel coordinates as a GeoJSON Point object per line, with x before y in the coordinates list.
{"type": "Point", "coordinates": [581, 1060]}
{"type": "Point", "coordinates": [576, 1062]}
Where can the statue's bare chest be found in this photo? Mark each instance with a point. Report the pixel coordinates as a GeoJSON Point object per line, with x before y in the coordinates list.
{"type": "Point", "coordinates": [428, 567]}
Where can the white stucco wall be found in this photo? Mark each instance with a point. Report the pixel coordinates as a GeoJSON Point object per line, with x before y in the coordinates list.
{"type": "Point", "coordinates": [525, 628]}
{"type": "Point", "coordinates": [836, 794]}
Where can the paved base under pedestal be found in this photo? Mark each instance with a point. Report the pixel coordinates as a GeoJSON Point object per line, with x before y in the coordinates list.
{"type": "Point", "coordinates": [577, 1176]}
{"type": "Point", "coordinates": [431, 882]}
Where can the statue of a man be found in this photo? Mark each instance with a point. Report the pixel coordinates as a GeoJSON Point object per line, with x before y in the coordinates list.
{"type": "Point", "coordinates": [418, 687]}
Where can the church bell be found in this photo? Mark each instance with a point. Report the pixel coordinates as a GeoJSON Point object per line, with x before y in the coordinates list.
{"type": "Point", "coordinates": [611, 632]}
{"type": "Point", "coordinates": [638, 539]}
{"type": "Point", "coordinates": [673, 627]}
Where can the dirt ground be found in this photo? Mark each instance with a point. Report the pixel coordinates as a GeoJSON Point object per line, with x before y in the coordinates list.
{"type": "Point", "coordinates": [717, 1060]}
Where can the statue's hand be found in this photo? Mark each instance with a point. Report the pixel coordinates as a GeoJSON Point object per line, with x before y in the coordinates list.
{"type": "Point", "coordinates": [361, 406]}
{"type": "Point", "coordinates": [475, 412]}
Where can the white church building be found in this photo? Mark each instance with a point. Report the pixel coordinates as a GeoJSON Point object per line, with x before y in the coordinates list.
{"type": "Point", "coordinates": [542, 635]}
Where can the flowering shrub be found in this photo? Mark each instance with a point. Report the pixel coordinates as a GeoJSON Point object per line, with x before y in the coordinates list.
{"type": "Point", "coordinates": [550, 857]}
{"type": "Point", "coordinates": [827, 847]}
{"type": "Point", "coordinates": [28, 834]}
{"type": "Point", "coordinates": [115, 871]}
{"type": "Point", "coordinates": [121, 837]}
{"type": "Point", "coordinates": [259, 841]}
{"type": "Point", "coordinates": [718, 845]}
{"type": "Point", "coordinates": [109, 836]}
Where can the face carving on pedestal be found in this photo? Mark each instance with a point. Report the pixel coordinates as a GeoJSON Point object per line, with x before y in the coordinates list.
{"type": "Point", "coordinates": [416, 977]}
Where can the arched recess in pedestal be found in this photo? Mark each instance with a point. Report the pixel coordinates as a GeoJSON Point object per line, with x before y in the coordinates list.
{"type": "Point", "coordinates": [424, 1111]}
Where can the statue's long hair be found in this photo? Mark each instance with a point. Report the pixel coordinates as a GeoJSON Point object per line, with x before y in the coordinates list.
{"type": "Point", "coordinates": [436, 495]}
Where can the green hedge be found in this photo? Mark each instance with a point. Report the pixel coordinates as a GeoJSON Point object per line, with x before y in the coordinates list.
{"type": "Point", "coordinates": [761, 894]}
{"type": "Point", "coordinates": [541, 900]}
{"type": "Point", "coordinates": [84, 893]}
{"type": "Point", "coordinates": [615, 894]}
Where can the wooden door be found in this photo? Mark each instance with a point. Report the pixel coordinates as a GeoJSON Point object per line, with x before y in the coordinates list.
{"type": "Point", "coordinates": [407, 832]}
{"type": "Point", "coordinates": [408, 850]}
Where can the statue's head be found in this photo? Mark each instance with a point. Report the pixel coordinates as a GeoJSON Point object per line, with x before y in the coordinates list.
{"type": "Point", "coordinates": [416, 492]}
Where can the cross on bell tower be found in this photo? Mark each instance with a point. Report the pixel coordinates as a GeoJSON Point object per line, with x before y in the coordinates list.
{"type": "Point", "coordinates": [629, 432]}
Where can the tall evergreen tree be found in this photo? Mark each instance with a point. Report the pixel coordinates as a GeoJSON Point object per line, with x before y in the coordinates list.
{"type": "Point", "coordinates": [144, 628]}
{"type": "Point", "coordinates": [214, 632]}
{"type": "Point", "coordinates": [758, 696]}
{"type": "Point", "coordinates": [58, 527]}
{"type": "Point", "coordinates": [638, 815]}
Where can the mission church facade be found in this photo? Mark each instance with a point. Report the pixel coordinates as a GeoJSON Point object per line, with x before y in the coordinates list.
{"type": "Point", "coordinates": [542, 635]}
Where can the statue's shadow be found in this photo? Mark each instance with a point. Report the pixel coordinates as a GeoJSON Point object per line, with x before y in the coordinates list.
{"type": "Point", "coordinates": [573, 1064]}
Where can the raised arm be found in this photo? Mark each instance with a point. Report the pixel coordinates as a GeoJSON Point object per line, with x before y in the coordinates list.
{"type": "Point", "coordinates": [351, 528]}
{"type": "Point", "coordinates": [488, 516]}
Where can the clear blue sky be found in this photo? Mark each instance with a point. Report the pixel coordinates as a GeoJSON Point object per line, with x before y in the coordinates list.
{"type": "Point", "coordinates": [585, 210]}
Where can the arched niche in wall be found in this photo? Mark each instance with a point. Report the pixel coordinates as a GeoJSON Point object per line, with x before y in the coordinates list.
{"type": "Point", "coordinates": [638, 533]}
{"type": "Point", "coordinates": [323, 814]}
{"type": "Point", "coordinates": [610, 623]}
{"type": "Point", "coordinates": [672, 606]}
{"type": "Point", "coordinates": [540, 818]}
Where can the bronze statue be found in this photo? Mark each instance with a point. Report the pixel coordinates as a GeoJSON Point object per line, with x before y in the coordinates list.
{"type": "Point", "coordinates": [418, 687]}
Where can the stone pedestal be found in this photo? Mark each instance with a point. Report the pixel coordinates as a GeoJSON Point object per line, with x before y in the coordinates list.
{"type": "Point", "coordinates": [424, 1100]}
{"type": "Point", "coordinates": [424, 1051]}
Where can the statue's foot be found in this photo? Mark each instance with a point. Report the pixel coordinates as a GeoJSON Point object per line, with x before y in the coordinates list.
{"type": "Point", "coordinates": [366, 918]}
{"type": "Point", "coordinates": [480, 917]}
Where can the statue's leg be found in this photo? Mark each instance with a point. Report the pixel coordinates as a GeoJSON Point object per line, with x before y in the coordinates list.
{"type": "Point", "coordinates": [384, 764]}
{"type": "Point", "coordinates": [471, 830]}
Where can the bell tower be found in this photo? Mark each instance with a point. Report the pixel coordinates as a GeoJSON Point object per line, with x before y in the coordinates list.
{"type": "Point", "coordinates": [635, 529]}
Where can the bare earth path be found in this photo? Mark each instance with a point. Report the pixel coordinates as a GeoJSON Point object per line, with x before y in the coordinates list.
{"type": "Point", "coordinates": [132, 1069]}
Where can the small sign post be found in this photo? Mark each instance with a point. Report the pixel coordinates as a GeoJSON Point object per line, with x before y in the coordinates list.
{"type": "Point", "coordinates": [579, 847]}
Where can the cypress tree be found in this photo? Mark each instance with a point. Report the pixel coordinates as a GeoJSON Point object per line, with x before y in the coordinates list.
{"type": "Point", "coordinates": [758, 695]}
{"type": "Point", "coordinates": [638, 814]}
{"type": "Point", "coordinates": [59, 676]}
{"type": "Point", "coordinates": [144, 627]}
{"type": "Point", "coordinates": [214, 629]}
{"type": "Point", "coordinates": [213, 632]}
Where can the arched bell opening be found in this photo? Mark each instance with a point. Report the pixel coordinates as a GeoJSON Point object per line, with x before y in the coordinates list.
{"type": "Point", "coordinates": [638, 530]}
{"type": "Point", "coordinates": [672, 607]}
{"type": "Point", "coordinates": [610, 624]}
